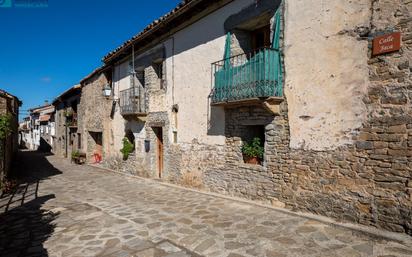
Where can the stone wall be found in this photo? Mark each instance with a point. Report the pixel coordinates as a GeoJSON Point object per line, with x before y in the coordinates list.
{"type": "Point", "coordinates": [95, 116]}
{"type": "Point", "coordinates": [368, 181]}
{"type": "Point", "coordinates": [194, 158]}
{"type": "Point", "coordinates": [130, 166]}
{"type": "Point", "coordinates": [256, 182]}
{"type": "Point", "coordinates": [63, 146]}
{"type": "Point", "coordinates": [142, 162]}
{"type": "Point", "coordinates": [9, 146]}
{"type": "Point", "coordinates": [341, 144]}
{"type": "Point", "coordinates": [60, 136]}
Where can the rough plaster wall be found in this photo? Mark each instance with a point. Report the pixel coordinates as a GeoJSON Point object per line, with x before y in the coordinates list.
{"type": "Point", "coordinates": [121, 82]}
{"type": "Point", "coordinates": [196, 47]}
{"type": "Point", "coordinates": [326, 76]}
{"type": "Point", "coordinates": [156, 95]}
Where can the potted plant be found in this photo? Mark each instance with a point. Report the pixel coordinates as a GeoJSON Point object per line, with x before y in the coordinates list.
{"type": "Point", "coordinates": [78, 157]}
{"type": "Point", "coordinates": [75, 156]}
{"type": "Point", "coordinates": [127, 149]}
{"type": "Point", "coordinates": [253, 151]}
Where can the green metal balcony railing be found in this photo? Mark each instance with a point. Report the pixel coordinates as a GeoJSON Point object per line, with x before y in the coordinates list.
{"type": "Point", "coordinates": [246, 76]}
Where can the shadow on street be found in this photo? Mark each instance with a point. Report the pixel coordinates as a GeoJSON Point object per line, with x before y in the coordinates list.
{"type": "Point", "coordinates": [33, 166]}
{"type": "Point", "coordinates": [24, 226]}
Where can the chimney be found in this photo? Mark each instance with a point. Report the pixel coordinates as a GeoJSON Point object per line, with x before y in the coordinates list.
{"type": "Point", "coordinates": [46, 102]}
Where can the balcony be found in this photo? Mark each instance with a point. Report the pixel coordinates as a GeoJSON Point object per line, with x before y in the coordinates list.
{"type": "Point", "coordinates": [132, 102]}
{"type": "Point", "coordinates": [71, 120]}
{"type": "Point", "coordinates": [252, 77]}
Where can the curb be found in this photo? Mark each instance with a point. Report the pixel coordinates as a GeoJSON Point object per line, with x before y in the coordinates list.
{"type": "Point", "coordinates": [370, 231]}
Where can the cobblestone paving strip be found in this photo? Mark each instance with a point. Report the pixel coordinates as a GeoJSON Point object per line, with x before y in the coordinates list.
{"type": "Point", "coordinates": [83, 211]}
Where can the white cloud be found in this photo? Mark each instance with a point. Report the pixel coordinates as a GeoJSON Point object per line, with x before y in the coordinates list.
{"type": "Point", "coordinates": [46, 79]}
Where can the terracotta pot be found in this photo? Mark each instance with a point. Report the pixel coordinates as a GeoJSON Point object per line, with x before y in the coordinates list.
{"type": "Point", "coordinates": [251, 160]}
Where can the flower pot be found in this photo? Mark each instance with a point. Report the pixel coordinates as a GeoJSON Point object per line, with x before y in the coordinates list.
{"type": "Point", "coordinates": [251, 160]}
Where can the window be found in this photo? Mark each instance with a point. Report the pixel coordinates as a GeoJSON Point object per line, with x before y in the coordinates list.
{"type": "Point", "coordinates": [253, 131]}
{"type": "Point", "coordinates": [158, 67]}
{"type": "Point", "coordinates": [175, 137]}
{"type": "Point", "coordinates": [140, 77]}
{"type": "Point", "coordinates": [79, 140]}
{"type": "Point", "coordinates": [175, 110]}
{"type": "Point", "coordinates": [250, 134]}
{"type": "Point", "coordinates": [130, 136]}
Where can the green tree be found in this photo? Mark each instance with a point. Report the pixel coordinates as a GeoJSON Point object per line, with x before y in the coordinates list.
{"type": "Point", "coordinates": [5, 126]}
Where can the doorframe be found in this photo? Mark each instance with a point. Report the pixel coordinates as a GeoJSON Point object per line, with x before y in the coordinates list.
{"type": "Point", "coordinates": [159, 133]}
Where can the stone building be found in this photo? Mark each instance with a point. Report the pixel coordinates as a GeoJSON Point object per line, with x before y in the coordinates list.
{"type": "Point", "coordinates": [95, 115]}
{"type": "Point", "coordinates": [24, 132]}
{"type": "Point", "coordinates": [335, 120]}
{"type": "Point", "coordinates": [9, 105]}
{"type": "Point", "coordinates": [67, 139]}
{"type": "Point", "coordinates": [38, 128]}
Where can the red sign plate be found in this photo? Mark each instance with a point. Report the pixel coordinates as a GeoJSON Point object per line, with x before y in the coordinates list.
{"type": "Point", "coordinates": [387, 43]}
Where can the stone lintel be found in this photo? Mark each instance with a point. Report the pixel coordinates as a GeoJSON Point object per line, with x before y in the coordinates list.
{"type": "Point", "coordinates": [271, 104]}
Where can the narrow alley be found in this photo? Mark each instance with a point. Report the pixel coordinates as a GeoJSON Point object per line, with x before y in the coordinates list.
{"type": "Point", "coordinates": [68, 210]}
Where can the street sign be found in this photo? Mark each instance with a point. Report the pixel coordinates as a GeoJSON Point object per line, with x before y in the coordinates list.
{"type": "Point", "coordinates": [387, 43]}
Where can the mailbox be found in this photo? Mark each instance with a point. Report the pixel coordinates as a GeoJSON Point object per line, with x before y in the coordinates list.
{"type": "Point", "coordinates": [147, 146]}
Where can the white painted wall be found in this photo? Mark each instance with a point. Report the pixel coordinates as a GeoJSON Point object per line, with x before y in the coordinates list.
{"type": "Point", "coordinates": [195, 49]}
{"type": "Point", "coordinates": [190, 53]}
{"type": "Point", "coordinates": [52, 129]}
{"type": "Point", "coordinates": [326, 74]}
{"type": "Point", "coordinates": [121, 81]}
{"type": "Point", "coordinates": [326, 71]}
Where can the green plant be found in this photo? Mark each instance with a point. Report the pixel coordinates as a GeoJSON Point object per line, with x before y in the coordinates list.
{"type": "Point", "coordinates": [254, 148]}
{"type": "Point", "coordinates": [75, 154]}
{"type": "Point", "coordinates": [5, 126]}
{"type": "Point", "coordinates": [68, 113]}
{"type": "Point", "coordinates": [127, 149]}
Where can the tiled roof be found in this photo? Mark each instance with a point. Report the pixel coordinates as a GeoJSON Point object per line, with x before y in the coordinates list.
{"type": "Point", "coordinates": [41, 108]}
{"type": "Point", "coordinates": [165, 18]}
{"type": "Point", "coordinates": [8, 95]}
{"type": "Point", "coordinates": [45, 117]}
{"type": "Point", "coordinates": [96, 71]}
{"type": "Point", "coordinates": [66, 92]}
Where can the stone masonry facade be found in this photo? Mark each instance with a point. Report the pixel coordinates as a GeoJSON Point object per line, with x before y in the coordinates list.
{"type": "Point", "coordinates": [9, 105]}
{"type": "Point", "coordinates": [67, 137]}
{"type": "Point", "coordinates": [95, 116]}
{"type": "Point", "coordinates": [368, 182]}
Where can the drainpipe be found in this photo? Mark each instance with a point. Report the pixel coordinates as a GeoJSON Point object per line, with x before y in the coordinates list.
{"type": "Point", "coordinates": [65, 138]}
{"type": "Point", "coordinates": [173, 70]}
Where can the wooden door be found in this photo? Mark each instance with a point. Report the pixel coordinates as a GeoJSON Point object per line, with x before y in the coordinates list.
{"type": "Point", "coordinates": [159, 152]}
{"type": "Point", "coordinates": [98, 147]}
{"type": "Point", "coordinates": [99, 144]}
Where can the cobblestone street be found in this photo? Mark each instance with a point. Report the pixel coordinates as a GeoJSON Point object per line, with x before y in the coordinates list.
{"type": "Point", "coordinates": [84, 211]}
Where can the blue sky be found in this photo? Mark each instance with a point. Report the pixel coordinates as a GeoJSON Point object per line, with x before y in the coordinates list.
{"type": "Point", "coordinates": [44, 51]}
